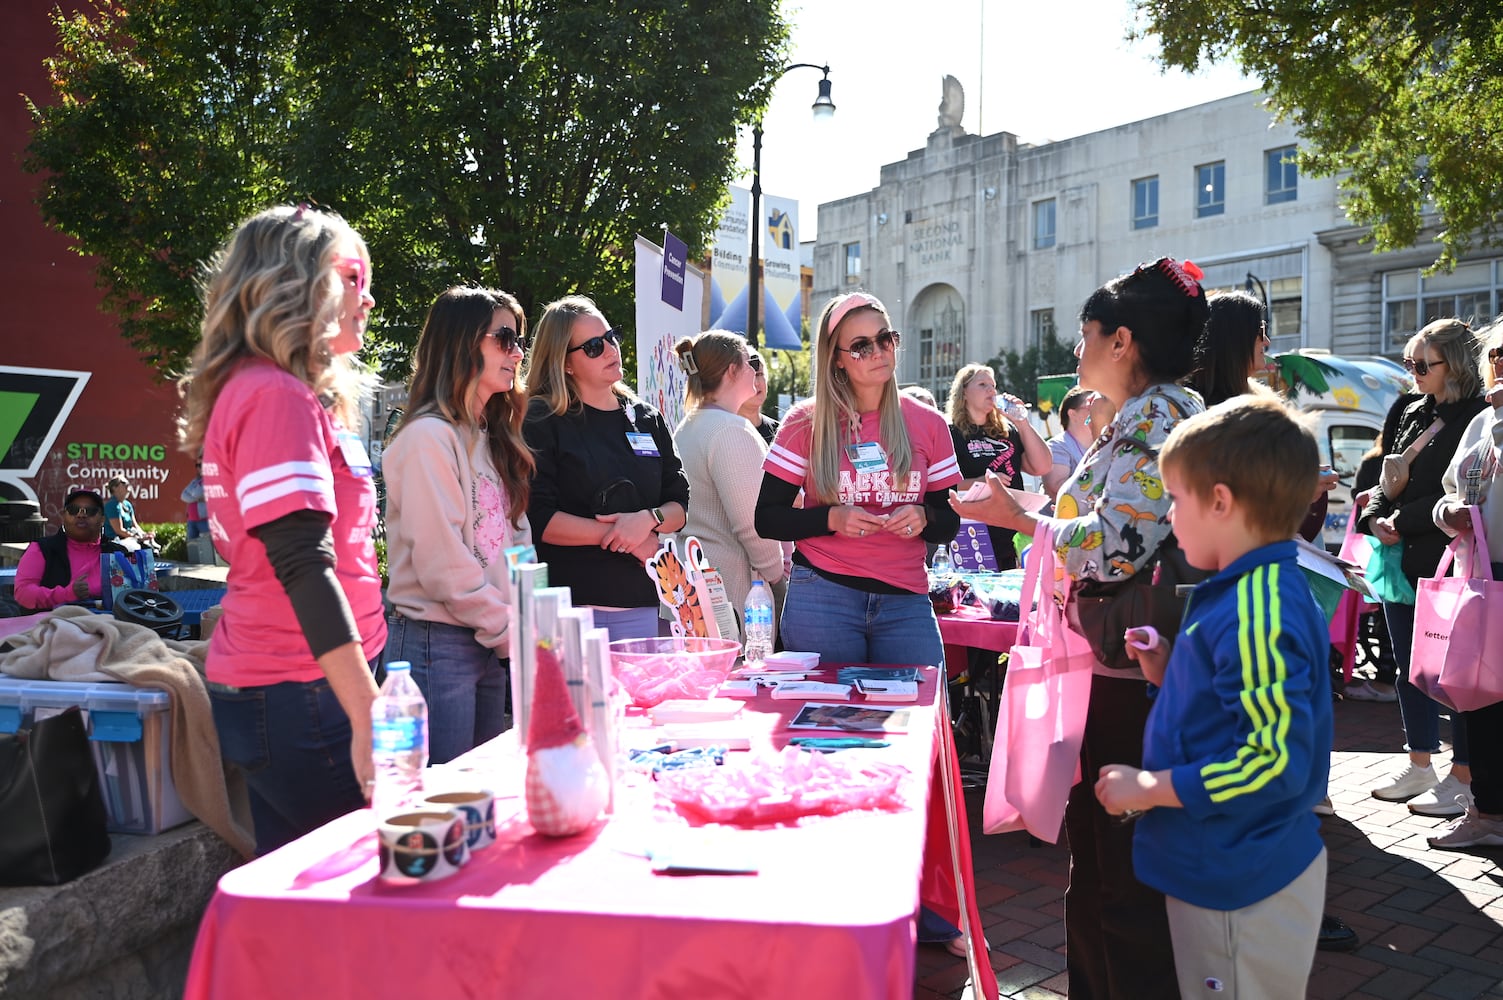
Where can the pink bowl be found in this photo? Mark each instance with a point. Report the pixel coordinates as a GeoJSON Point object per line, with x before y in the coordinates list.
{"type": "Point", "coordinates": [657, 669]}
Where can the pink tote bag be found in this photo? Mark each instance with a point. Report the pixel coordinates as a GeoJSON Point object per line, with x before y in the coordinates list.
{"type": "Point", "coordinates": [1457, 656]}
{"type": "Point", "coordinates": [1042, 714]}
{"type": "Point", "coordinates": [1346, 621]}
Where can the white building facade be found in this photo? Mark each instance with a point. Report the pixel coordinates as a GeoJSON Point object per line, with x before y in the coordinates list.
{"type": "Point", "coordinates": [979, 244]}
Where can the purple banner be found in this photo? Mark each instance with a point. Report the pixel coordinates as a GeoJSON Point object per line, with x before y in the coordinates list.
{"type": "Point", "coordinates": [675, 254]}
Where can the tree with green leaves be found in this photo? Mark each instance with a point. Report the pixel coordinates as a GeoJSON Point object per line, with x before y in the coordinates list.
{"type": "Point", "coordinates": [1019, 374]}
{"type": "Point", "coordinates": [1401, 101]}
{"type": "Point", "coordinates": [520, 144]}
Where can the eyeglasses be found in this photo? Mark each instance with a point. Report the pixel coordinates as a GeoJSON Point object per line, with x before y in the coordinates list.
{"type": "Point", "coordinates": [864, 347]}
{"type": "Point", "coordinates": [1421, 367]}
{"type": "Point", "coordinates": [509, 340]}
{"type": "Point", "coordinates": [362, 271]}
{"type": "Point", "coordinates": [595, 346]}
{"type": "Point", "coordinates": [74, 510]}
{"type": "Point", "coordinates": [754, 362]}
{"type": "Point", "coordinates": [1263, 333]}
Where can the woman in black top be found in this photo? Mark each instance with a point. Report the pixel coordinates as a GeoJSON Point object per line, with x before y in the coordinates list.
{"type": "Point", "coordinates": [986, 440]}
{"type": "Point", "coordinates": [608, 481]}
{"type": "Point", "coordinates": [1443, 358]}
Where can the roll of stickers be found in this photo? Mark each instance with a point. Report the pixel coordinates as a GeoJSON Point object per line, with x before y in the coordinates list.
{"type": "Point", "coordinates": [422, 845]}
{"type": "Point", "coordinates": [477, 808]}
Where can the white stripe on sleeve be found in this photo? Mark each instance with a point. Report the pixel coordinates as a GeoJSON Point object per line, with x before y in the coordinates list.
{"type": "Point", "coordinates": [791, 462]}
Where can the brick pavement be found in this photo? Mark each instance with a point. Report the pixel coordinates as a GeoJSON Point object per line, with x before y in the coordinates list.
{"type": "Point", "coordinates": [1431, 922]}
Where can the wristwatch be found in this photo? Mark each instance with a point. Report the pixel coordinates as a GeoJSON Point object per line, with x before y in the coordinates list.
{"type": "Point", "coordinates": [657, 515]}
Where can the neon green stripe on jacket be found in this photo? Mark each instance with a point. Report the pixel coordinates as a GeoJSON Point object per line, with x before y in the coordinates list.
{"type": "Point", "coordinates": [1265, 753]}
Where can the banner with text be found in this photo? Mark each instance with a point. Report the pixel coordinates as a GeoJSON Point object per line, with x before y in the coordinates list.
{"type": "Point", "coordinates": [660, 381]}
{"type": "Point", "coordinates": [728, 264]}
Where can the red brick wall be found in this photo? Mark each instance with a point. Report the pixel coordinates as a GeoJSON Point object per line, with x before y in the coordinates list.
{"type": "Point", "coordinates": [50, 318]}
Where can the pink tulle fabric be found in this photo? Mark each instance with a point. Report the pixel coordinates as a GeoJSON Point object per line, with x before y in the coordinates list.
{"type": "Point", "coordinates": [758, 788]}
{"type": "Point", "coordinates": [653, 679]}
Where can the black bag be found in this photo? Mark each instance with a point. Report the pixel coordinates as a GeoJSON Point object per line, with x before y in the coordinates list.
{"type": "Point", "coordinates": [1148, 597]}
{"type": "Point", "coordinates": [54, 820]}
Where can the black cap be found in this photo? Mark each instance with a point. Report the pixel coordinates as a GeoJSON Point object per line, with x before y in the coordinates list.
{"type": "Point", "coordinates": [83, 493]}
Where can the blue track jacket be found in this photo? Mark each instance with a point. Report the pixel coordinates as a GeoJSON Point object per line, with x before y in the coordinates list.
{"type": "Point", "coordinates": [1243, 722]}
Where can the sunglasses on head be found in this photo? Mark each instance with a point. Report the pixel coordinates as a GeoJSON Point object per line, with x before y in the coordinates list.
{"type": "Point", "coordinates": [595, 346]}
{"type": "Point", "coordinates": [864, 347]}
{"type": "Point", "coordinates": [81, 510]}
{"type": "Point", "coordinates": [508, 339]}
{"type": "Point", "coordinates": [1421, 366]}
{"type": "Point", "coordinates": [360, 267]}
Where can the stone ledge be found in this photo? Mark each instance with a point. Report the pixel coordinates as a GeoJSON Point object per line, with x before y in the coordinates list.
{"type": "Point", "coordinates": [124, 931]}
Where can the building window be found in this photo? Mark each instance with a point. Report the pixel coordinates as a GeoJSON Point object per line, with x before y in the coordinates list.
{"type": "Point", "coordinates": [1210, 189]}
{"type": "Point", "coordinates": [1282, 175]}
{"type": "Point", "coordinates": [1145, 203]}
{"type": "Point", "coordinates": [1471, 292]}
{"type": "Point", "coordinates": [853, 262]}
{"type": "Point", "coordinates": [1040, 327]}
{"type": "Point", "coordinates": [1043, 224]}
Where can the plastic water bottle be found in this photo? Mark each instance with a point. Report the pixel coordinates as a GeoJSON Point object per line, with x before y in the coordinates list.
{"type": "Point", "coordinates": [940, 567]}
{"type": "Point", "coordinates": [399, 740]}
{"type": "Point", "coordinates": [757, 620]}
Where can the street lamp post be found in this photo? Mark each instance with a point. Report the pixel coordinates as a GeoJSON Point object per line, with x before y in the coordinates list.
{"type": "Point", "coordinates": [823, 108]}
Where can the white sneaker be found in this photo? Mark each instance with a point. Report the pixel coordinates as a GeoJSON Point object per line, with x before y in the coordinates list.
{"type": "Point", "coordinates": [1472, 830]}
{"type": "Point", "coordinates": [1407, 785]}
{"type": "Point", "coordinates": [1449, 798]}
{"type": "Point", "coordinates": [1365, 691]}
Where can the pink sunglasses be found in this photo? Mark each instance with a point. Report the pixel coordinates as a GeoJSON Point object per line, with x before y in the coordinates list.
{"type": "Point", "coordinates": [362, 271]}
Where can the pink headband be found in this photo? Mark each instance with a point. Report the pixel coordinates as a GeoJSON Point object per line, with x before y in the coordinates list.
{"type": "Point", "coordinates": [855, 300]}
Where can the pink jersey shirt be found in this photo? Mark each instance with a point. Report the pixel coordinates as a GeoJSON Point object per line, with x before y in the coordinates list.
{"type": "Point", "coordinates": [272, 449]}
{"type": "Point", "coordinates": [893, 559]}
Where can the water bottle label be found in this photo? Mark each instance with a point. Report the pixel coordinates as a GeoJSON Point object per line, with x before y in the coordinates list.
{"type": "Point", "coordinates": [398, 735]}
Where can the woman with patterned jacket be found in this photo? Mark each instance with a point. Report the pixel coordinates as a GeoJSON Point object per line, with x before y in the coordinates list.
{"type": "Point", "coordinates": [1137, 340]}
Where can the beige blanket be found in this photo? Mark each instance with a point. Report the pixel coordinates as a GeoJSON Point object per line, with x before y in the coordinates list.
{"type": "Point", "coordinates": [74, 644]}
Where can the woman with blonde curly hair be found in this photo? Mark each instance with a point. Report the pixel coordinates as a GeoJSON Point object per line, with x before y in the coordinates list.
{"type": "Point", "coordinates": [987, 441]}
{"type": "Point", "coordinates": [458, 477]}
{"type": "Point", "coordinates": [608, 480]}
{"type": "Point", "coordinates": [272, 399]}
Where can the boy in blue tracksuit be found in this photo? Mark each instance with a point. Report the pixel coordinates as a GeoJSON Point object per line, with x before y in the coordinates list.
{"type": "Point", "coordinates": [1237, 748]}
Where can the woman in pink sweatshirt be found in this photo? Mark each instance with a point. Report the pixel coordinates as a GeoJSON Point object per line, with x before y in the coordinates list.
{"type": "Point", "coordinates": [457, 476]}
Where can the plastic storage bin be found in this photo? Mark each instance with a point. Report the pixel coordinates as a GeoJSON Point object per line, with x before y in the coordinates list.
{"type": "Point", "coordinates": [130, 729]}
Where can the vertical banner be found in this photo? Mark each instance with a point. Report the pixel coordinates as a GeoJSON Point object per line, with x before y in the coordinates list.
{"type": "Point", "coordinates": [675, 255]}
{"type": "Point", "coordinates": [782, 294]}
{"type": "Point", "coordinates": [660, 381]}
{"type": "Point", "coordinates": [729, 262]}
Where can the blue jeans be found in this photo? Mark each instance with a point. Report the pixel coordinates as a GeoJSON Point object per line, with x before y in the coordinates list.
{"type": "Point", "coordinates": [632, 623]}
{"type": "Point", "coordinates": [465, 684]}
{"type": "Point", "coordinates": [292, 742]}
{"type": "Point", "coordinates": [1421, 715]}
{"type": "Point", "coordinates": [844, 625]}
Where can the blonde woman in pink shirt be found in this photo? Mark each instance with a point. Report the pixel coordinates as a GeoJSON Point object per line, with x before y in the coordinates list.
{"type": "Point", "coordinates": [457, 475]}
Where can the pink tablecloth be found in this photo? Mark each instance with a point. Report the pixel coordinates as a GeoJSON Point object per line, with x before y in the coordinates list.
{"type": "Point", "coordinates": [830, 914]}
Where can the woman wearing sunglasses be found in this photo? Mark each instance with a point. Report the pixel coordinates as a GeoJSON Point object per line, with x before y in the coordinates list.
{"type": "Point", "coordinates": [273, 400]}
{"type": "Point", "coordinates": [765, 426]}
{"type": "Point", "coordinates": [874, 466]}
{"type": "Point", "coordinates": [608, 480]}
{"type": "Point", "coordinates": [457, 478]}
{"type": "Point", "coordinates": [1443, 358]}
{"type": "Point", "coordinates": [723, 457]}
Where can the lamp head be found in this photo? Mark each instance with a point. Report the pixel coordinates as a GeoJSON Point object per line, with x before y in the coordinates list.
{"type": "Point", "coordinates": [824, 108]}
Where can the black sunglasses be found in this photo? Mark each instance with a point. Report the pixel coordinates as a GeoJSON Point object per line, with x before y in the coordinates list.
{"type": "Point", "coordinates": [595, 346]}
{"type": "Point", "coordinates": [864, 347]}
{"type": "Point", "coordinates": [755, 363]}
{"type": "Point", "coordinates": [508, 339]}
{"type": "Point", "coordinates": [1420, 366]}
{"type": "Point", "coordinates": [77, 511]}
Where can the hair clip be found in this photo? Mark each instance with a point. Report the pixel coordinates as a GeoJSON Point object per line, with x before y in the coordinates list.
{"type": "Point", "coordinates": [1183, 273]}
{"type": "Point", "coordinates": [302, 207]}
{"type": "Point", "coordinates": [687, 363]}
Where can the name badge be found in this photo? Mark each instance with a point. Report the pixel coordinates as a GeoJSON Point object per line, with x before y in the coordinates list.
{"type": "Point", "coordinates": [353, 450]}
{"type": "Point", "coordinates": [642, 443]}
{"type": "Point", "coordinates": [867, 457]}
